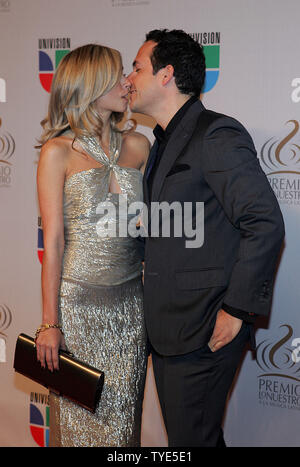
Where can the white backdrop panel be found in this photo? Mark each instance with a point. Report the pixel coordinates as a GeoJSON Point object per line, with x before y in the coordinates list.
{"type": "Point", "coordinates": [259, 50]}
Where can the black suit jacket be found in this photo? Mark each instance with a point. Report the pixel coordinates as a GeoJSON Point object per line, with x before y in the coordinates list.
{"type": "Point", "coordinates": [209, 158]}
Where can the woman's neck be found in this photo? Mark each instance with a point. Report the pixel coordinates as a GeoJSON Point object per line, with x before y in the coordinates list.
{"type": "Point", "coordinates": [105, 137]}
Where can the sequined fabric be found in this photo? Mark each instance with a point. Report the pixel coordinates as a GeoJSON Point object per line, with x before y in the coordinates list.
{"type": "Point", "coordinates": [90, 255]}
{"type": "Point", "coordinates": [101, 308]}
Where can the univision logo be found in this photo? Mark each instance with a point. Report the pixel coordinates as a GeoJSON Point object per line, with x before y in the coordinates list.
{"type": "Point", "coordinates": [39, 419]}
{"type": "Point", "coordinates": [280, 157]}
{"type": "Point", "coordinates": [48, 61]}
{"type": "Point", "coordinates": [40, 246]}
{"type": "Point", "coordinates": [210, 42]}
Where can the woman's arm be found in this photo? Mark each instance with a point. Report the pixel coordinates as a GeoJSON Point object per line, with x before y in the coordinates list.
{"type": "Point", "coordinates": [50, 182]}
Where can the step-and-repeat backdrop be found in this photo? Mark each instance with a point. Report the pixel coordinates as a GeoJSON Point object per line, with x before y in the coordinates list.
{"type": "Point", "coordinates": [253, 74]}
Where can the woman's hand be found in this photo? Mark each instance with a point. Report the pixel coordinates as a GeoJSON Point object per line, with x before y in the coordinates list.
{"type": "Point", "coordinates": [48, 344]}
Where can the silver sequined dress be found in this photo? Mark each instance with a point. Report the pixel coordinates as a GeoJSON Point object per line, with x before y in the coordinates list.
{"type": "Point", "coordinates": [100, 304]}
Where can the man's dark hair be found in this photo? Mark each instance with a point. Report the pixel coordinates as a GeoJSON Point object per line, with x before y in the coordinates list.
{"type": "Point", "coordinates": [179, 49]}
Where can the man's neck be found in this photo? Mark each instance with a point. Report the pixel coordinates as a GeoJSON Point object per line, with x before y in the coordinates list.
{"type": "Point", "coordinates": [169, 108]}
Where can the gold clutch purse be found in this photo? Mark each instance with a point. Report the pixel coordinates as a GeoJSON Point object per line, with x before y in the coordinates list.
{"type": "Point", "coordinates": [75, 380]}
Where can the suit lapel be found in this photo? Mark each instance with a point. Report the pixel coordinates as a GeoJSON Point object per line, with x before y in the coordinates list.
{"type": "Point", "coordinates": [148, 168]}
{"type": "Point", "coordinates": [178, 140]}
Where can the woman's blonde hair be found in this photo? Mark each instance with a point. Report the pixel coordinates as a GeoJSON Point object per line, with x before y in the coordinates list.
{"type": "Point", "coordinates": [82, 76]}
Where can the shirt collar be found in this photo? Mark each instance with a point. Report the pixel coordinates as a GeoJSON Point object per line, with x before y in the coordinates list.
{"type": "Point", "coordinates": [161, 134]}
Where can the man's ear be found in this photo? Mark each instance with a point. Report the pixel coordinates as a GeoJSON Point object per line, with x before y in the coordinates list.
{"type": "Point", "coordinates": [168, 74]}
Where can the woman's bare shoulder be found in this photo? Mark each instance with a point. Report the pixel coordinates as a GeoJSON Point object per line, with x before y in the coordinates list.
{"type": "Point", "coordinates": [137, 144]}
{"type": "Point", "coordinates": [136, 140]}
{"type": "Point", "coordinates": [56, 151]}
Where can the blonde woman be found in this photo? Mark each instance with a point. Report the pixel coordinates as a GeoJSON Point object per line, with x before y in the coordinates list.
{"type": "Point", "coordinates": [91, 282]}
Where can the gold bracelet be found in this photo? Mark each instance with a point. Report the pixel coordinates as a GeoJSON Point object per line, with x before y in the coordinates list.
{"type": "Point", "coordinates": [44, 327]}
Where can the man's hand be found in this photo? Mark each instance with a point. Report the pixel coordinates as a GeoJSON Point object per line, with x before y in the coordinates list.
{"type": "Point", "coordinates": [225, 330]}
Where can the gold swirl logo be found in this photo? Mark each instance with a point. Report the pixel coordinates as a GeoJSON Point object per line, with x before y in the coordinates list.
{"type": "Point", "coordinates": [282, 156]}
{"type": "Point", "coordinates": [5, 319]}
{"type": "Point", "coordinates": [278, 359]}
{"type": "Point", "coordinates": [7, 147]}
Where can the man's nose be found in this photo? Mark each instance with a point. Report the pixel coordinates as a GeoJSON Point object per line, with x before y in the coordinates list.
{"type": "Point", "coordinates": [126, 82]}
{"type": "Point", "coordinates": [130, 78]}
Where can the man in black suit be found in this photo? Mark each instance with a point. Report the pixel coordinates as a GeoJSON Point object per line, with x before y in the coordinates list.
{"type": "Point", "coordinates": [200, 300]}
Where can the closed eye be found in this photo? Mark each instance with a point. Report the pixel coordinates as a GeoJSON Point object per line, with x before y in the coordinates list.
{"type": "Point", "coordinates": [135, 66]}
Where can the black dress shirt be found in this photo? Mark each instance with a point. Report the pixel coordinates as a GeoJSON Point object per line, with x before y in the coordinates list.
{"type": "Point", "coordinates": [162, 138]}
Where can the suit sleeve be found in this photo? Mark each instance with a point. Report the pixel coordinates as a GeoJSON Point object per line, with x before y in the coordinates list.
{"type": "Point", "coordinates": [233, 172]}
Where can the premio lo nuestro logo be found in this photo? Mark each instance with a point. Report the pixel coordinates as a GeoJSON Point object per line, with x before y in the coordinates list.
{"type": "Point", "coordinates": [280, 157]}
{"type": "Point", "coordinates": [39, 418]}
{"type": "Point", "coordinates": [279, 361]}
{"type": "Point", "coordinates": [210, 42]}
{"type": "Point", "coordinates": [5, 322]}
{"type": "Point", "coordinates": [51, 51]}
{"type": "Point", "coordinates": [7, 149]}
{"type": "Point", "coordinates": [5, 319]}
